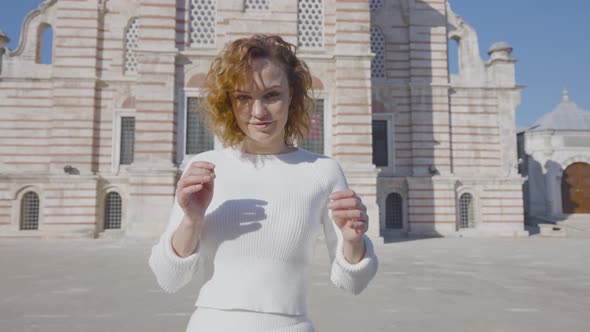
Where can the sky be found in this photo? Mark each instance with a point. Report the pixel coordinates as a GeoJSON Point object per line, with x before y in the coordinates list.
{"type": "Point", "coordinates": [551, 41]}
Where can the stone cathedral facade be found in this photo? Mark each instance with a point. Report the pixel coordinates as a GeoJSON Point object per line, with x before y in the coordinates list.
{"type": "Point", "coordinates": [93, 141]}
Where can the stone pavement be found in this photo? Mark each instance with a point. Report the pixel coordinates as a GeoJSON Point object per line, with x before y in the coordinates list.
{"type": "Point", "coordinates": [444, 284]}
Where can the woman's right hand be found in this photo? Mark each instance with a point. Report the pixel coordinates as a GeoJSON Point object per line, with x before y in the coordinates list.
{"type": "Point", "coordinates": [194, 190]}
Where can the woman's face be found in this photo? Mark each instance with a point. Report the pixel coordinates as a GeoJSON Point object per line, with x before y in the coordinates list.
{"type": "Point", "coordinates": [261, 107]}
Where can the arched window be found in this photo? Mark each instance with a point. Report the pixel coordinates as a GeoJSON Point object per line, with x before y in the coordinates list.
{"type": "Point", "coordinates": [202, 23]}
{"type": "Point", "coordinates": [453, 56]}
{"type": "Point", "coordinates": [394, 212]}
{"type": "Point", "coordinates": [378, 48]}
{"type": "Point", "coordinates": [29, 211]}
{"type": "Point", "coordinates": [256, 5]}
{"type": "Point", "coordinates": [131, 44]}
{"type": "Point", "coordinates": [466, 211]}
{"type": "Point", "coordinates": [45, 44]}
{"type": "Point", "coordinates": [310, 23]}
{"type": "Point", "coordinates": [113, 208]}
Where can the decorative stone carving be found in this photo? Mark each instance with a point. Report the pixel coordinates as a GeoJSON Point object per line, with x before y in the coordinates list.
{"type": "Point", "coordinates": [131, 46]}
{"type": "Point", "coordinates": [202, 22]}
{"type": "Point", "coordinates": [378, 48]}
{"type": "Point", "coordinates": [375, 4]}
{"type": "Point", "coordinates": [311, 23]}
{"type": "Point", "coordinates": [26, 26]}
{"type": "Point", "coordinates": [256, 5]}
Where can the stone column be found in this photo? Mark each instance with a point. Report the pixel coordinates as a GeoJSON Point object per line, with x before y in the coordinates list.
{"type": "Point", "coordinates": [351, 116]}
{"type": "Point", "coordinates": [431, 189]}
{"type": "Point", "coordinates": [153, 175]}
{"type": "Point", "coordinates": [72, 188]}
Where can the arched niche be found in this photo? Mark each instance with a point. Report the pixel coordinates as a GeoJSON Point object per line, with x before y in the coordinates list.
{"type": "Point", "coordinates": [196, 81]}
{"type": "Point", "coordinates": [44, 49]}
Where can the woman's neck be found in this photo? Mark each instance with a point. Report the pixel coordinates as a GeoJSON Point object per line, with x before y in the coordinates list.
{"type": "Point", "coordinates": [252, 147]}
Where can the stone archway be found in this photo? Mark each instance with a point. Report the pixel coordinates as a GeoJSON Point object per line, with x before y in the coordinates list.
{"type": "Point", "coordinates": [575, 188]}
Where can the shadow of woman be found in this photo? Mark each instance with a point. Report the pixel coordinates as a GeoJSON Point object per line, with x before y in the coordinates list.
{"type": "Point", "coordinates": [230, 220]}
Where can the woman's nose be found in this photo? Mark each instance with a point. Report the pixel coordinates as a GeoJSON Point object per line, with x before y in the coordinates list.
{"type": "Point", "coordinates": [257, 108]}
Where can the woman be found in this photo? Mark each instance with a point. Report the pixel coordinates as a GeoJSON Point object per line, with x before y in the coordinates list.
{"type": "Point", "coordinates": [246, 218]}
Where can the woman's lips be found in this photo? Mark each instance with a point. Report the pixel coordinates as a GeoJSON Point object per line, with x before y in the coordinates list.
{"type": "Point", "coordinates": [261, 124]}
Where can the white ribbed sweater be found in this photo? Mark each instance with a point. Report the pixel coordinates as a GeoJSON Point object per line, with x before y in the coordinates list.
{"type": "Point", "coordinates": [260, 232]}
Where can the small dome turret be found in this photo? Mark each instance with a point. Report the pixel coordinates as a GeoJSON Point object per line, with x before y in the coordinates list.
{"type": "Point", "coordinates": [500, 50]}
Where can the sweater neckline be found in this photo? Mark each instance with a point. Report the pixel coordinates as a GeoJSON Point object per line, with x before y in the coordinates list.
{"type": "Point", "coordinates": [261, 159]}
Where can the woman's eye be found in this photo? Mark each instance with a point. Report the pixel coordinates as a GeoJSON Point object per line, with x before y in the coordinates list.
{"type": "Point", "coordinates": [272, 94]}
{"type": "Point", "coordinates": [242, 98]}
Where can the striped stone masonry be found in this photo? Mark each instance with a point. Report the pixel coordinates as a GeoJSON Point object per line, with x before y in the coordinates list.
{"type": "Point", "coordinates": [78, 34]}
{"type": "Point", "coordinates": [351, 121]}
{"type": "Point", "coordinates": [447, 135]}
{"type": "Point", "coordinates": [444, 135]}
{"type": "Point", "coordinates": [72, 132]}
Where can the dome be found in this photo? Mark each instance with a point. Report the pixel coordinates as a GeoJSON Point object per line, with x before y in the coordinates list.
{"type": "Point", "coordinates": [566, 116]}
{"type": "Point", "coordinates": [500, 46]}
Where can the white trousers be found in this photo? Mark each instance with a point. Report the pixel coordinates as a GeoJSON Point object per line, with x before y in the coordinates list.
{"type": "Point", "coordinates": [216, 320]}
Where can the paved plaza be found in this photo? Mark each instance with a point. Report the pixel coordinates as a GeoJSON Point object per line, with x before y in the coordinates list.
{"type": "Point", "coordinates": [440, 284]}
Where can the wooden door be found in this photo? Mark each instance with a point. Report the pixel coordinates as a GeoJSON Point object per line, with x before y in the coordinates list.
{"type": "Point", "coordinates": [575, 189]}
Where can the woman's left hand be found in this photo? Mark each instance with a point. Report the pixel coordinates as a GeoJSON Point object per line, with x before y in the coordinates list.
{"type": "Point", "coordinates": [350, 214]}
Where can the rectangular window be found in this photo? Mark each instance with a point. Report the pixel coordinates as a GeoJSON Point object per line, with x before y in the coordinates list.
{"type": "Point", "coordinates": [315, 138]}
{"type": "Point", "coordinates": [380, 143]}
{"type": "Point", "coordinates": [383, 143]}
{"type": "Point", "coordinates": [198, 136]}
{"type": "Point", "coordinates": [127, 140]}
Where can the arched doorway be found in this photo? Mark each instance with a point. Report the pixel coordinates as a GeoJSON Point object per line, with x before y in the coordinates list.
{"type": "Point", "coordinates": [575, 189]}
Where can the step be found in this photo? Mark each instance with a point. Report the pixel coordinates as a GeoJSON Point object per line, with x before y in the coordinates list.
{"type": "Point", "coordinates": [552, 230]}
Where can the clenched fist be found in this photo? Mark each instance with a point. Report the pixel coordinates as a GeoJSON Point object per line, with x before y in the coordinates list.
{"type": "Point", "coordinates": [350, 214]}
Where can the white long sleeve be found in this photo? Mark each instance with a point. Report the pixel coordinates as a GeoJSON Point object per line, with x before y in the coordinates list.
{"type": "Point", "coordinates": [352, 278]}
{"type": "Point", "coordinates": [259, 234]}
{"type": "Point", "coordinates": [172, 271]}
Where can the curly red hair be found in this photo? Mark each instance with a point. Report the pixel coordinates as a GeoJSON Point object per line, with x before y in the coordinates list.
{"type": "Point", "coordinates": [234, 64]}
